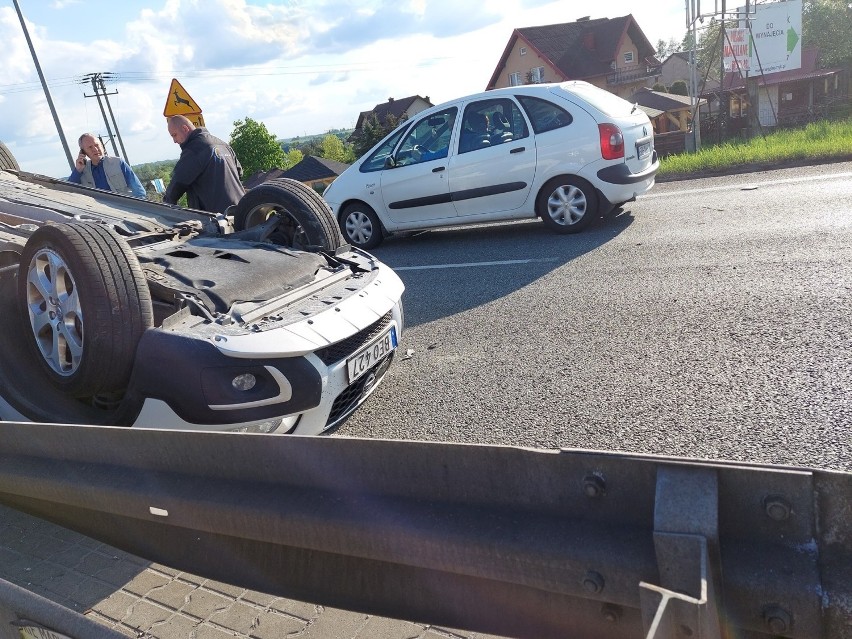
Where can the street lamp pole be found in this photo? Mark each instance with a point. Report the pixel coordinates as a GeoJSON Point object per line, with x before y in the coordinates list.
{"type": "Point", "coordinates": [44, 86]}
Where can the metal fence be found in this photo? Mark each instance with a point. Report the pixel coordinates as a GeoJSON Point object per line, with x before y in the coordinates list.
{"type": "Point", "coordinates": [503, 540]}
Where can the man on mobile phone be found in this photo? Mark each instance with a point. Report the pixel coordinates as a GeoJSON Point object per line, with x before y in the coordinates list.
{"type": "Point", "coordinates": [95, 169]}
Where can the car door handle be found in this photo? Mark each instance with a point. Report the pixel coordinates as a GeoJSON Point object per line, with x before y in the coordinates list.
{"type": "Point", "coordinates": [438, 169]}
{"type": "Point", "coordinates": [520, 149]}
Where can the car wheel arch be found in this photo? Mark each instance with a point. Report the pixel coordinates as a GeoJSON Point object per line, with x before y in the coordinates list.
{"type": "Point", "coordinates": [347, 207]}
{"type": "Point", "coordinates": [593, 196]}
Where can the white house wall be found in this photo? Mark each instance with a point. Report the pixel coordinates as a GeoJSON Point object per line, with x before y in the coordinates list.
{"type": "Point", "coordinates": [768, 106]}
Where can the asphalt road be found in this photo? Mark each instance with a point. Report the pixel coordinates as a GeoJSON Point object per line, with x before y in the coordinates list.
{"type": "Point", "coordinates": [709, 319]}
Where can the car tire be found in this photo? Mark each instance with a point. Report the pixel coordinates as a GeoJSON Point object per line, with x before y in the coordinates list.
{"type": "Point", "coordinates": [360, 226]}
{"type": "Point", "coordinates": [306, 222]}
{"type": "Point", "coordinates": [86, 275]}
{"type": "Point", "coordinates": [567, 204]}
{"type": "Point", "coordinates": [7, 160]}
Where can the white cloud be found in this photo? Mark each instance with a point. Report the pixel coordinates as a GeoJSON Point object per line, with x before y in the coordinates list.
{"type": "Point", "coordinates": [301, 67]}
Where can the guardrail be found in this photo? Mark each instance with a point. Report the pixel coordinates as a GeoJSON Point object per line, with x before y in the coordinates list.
{"type": "Point", "coordinates": [502, 540]}
{"type": "Point", "coordinates": [26, 615]}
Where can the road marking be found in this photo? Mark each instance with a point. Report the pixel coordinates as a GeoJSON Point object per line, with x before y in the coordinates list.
{"type": "Point", "coordinates": [742, 185]}
{"type": "Point", "coordinates": [474, 264]}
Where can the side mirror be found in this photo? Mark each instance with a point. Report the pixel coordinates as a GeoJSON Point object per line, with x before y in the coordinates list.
{"type": "Point", "coordinates": [390, 162]}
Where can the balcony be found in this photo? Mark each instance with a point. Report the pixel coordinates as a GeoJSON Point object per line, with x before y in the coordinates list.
{"type": "Point", "coordinates": [633, 74]}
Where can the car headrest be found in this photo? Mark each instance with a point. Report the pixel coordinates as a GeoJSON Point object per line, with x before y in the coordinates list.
{"type": "Point", "coordinates": [499, 120]}
{"type": "Point", "coordinates": [478, 123]}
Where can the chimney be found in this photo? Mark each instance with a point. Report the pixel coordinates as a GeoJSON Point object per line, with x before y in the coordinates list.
{"type": "Point", "coordinates": [584, 19]}
{"type": "Point", "coordinates": [390, 99]}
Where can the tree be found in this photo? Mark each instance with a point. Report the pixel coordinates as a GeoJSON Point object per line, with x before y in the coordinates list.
{"type": "Point", "coordinates": [151, 171]}
{"type": "Point", "coordinates": [372, 132]}
{"type": "Point", "coordinates": [679, 88]}
{"type": "Point", "coordinates": [333, 148]}
{"type": "Point", "coordinates": [826, 24]}
{"type": "Point", "coordinates": [256, 148]}
{"type": "Point", "coordinates": [665, 49]}
{"type": "Point", "coordinates": [294, 156]}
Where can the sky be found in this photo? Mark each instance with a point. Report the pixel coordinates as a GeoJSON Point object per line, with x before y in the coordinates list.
{"type": "Point", "coordinates": [301, 67]}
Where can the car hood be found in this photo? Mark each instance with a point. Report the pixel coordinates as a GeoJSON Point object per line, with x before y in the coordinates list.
{"type": "Point", "coordinates": [225, 271]}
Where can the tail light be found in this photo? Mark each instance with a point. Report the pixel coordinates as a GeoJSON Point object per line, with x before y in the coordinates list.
{"type": "Point", "coordinates": [612, 142]}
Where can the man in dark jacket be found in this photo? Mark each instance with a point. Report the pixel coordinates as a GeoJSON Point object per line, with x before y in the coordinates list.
{"type": "Point", "coordinates": [207, 171]}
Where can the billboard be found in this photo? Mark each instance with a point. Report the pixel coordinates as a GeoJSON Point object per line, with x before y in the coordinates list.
{"type": "Point", "coordinates": [775, 42]}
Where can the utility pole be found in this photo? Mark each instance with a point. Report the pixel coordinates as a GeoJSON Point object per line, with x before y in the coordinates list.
{"type": "Point", "coordinates": [93, 77]}
{"type": "Point", "coordinates": [44, 86]}
{"type": "Point", "coordinates": [99, 87]}
{"type": "Point", "coordinates": [723, 111]}
{"type": "Point", "coordinates": [111, 115]}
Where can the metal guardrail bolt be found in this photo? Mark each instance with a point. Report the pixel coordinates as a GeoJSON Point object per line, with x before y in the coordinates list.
{"type": "Point", "coordinates": [593, 581]}
{"type": "Point", "coordinates": [776, 507]}
{"type": "Point", "coordinates": [777, 619]}
{"type": "Point", "coordinates": [594, 486]}
{"type": "Point", "coordinates": [611, 613]}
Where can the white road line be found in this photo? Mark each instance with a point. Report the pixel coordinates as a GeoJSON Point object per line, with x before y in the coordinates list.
{"type": "Point", "coordinates": [742, 185]}
{"type": "Point", "coordinates": [473, 264]}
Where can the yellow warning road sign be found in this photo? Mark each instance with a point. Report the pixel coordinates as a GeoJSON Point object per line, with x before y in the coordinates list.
{"type": "Point", "coordinates": [196, 118]}
{"type": "Point", "coordinates": [179, 102]}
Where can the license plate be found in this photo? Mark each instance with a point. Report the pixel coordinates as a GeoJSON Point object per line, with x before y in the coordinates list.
{"type": "Point", "coordinates": [644, 150]}
{"type": "Point", "coordinates": [371, 354]}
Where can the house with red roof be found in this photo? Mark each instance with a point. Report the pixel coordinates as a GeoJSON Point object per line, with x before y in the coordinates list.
{"type": "Point", "coordinates": [611, 53]}
{"type": "Point", "coordinates": [394, 110]}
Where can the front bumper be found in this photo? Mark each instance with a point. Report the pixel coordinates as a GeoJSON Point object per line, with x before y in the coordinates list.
{"type": "Point", "coordinates": [186, 383]}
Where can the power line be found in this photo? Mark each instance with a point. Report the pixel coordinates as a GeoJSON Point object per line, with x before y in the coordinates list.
{"type": "Point", "coordinates": [236, 72]}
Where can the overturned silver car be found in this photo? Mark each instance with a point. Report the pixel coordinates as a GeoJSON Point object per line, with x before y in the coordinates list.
{"type": "Point", "coordinates": [119, 311]}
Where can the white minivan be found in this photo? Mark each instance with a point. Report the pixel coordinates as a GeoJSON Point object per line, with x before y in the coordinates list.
{"type": "Point", "coordinates": [564, 152]}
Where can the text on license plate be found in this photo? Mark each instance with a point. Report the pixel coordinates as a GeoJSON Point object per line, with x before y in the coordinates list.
{"type": "Point", "coordinates": [370, 355]}
{"type": "Point", "coordinates": [644, 150]}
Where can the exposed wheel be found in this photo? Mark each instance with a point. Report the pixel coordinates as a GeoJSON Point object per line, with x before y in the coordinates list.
{"type": "Point", "coordinates": [305, 221]}
{"type": "Point", "coordinates": [87, 303]}
{"type": "Point", "coordinates": [567, 204]}
{"type": "Point", "coordinates": [361, 226]}
{"type": "Point", "coordinates": [7, 160]}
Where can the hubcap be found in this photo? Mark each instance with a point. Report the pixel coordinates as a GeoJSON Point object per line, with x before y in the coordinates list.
{"type": "Point", "coordinates": [359, 228]}
{"type": "Point", "coordinates": [56, 317]}
{"type": "Point", "coordinates": [567, 205]}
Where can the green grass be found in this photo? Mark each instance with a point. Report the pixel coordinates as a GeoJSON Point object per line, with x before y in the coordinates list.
{"type": "Point", "coordinates": [816, 141]}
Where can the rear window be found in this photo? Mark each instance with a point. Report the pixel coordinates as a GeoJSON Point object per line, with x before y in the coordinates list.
{"type": "Point", "coordinates": [544, 115]}
{"type": "Point", "coordinates": [607, 103]}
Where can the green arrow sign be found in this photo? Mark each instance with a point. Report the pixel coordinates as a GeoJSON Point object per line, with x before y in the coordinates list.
{"type": "Point", "coordinates": [792, 39]}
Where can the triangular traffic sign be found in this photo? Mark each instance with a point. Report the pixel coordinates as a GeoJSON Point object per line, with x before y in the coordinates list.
{"type": "Point", "coordinates": [179, 102]}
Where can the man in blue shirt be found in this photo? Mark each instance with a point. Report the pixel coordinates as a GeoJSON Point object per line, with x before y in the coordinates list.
{"type": "Point", "coordinates": [95, 169]}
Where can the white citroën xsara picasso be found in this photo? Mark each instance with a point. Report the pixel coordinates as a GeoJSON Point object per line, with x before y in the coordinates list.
{"type": "Point", "coordinates": [564, 152]}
